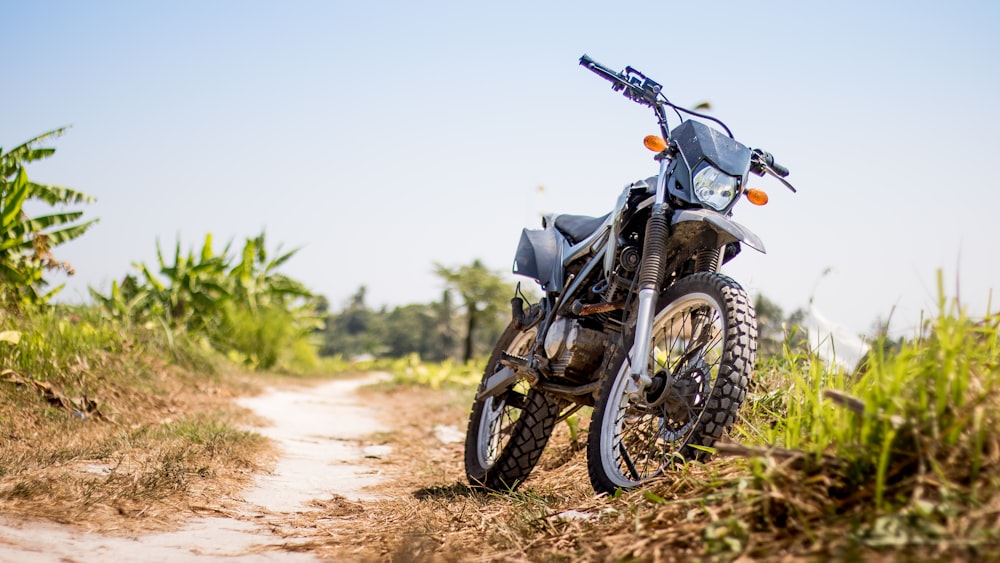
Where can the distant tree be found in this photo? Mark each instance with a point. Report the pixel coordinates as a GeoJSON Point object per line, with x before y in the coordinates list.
{"type": "Point", "coordinates": [880, 343]}
{"type": "Point", "coordinates": [357, 317]}
{"type": "Point", "coordinates": [322, 305]}
{"type": "Point", "coordinates": [775, 330]}
{"type": "Point", "coordinates": [355, 330]}
{"type": "Point", "coordinates": [770, 326]}
{"type": "Point", "coordinates": [796, 333]}
{"type": "Point", "coordinates": [413, 329]}
{"type": "Point", "coordinates": [444, 315]}
{"type": "Point", "coordinates": [484, 295]}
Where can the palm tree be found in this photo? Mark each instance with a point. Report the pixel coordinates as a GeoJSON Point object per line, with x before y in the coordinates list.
{"type": "Point", "coordinates": [484, 294]}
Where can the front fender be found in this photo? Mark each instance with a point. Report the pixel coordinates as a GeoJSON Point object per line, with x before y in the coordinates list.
{"type": "Point", "coordinates": [692, 223]}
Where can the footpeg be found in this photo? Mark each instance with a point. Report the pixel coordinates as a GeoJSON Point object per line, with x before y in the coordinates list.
{"type": "Point", "coordinates": [497, 383]}
{"type": "Point", "coordinates": [514, 367]}
{"type": "Point", "coordinates": [514, 362]}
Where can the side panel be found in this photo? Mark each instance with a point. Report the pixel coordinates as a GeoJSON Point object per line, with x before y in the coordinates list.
{"type": "Point", "coordinates": [539, 257]}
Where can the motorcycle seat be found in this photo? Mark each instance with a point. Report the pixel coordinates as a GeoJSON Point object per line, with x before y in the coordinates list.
{"type": "Point", "coordinates": [578, 227]}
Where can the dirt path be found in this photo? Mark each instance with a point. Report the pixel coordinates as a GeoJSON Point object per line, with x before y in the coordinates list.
{"type": "Point", "coordinates": [319, 431]}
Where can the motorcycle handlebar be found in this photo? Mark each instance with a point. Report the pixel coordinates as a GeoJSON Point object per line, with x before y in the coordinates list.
{"type": "Point", "coordinates": [643, 91]}
{"type": "Point", "coordinates": [767, 159]}
{"type": "Point", "coordinates": [617, 80]}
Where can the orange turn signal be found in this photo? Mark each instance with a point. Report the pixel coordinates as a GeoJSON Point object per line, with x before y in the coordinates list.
{"type": "Point", "coordinates": [655, 143]}
{"type": "Point", "coordinates": [757, 197]}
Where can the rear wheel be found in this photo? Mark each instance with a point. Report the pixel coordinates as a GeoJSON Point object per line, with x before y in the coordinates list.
{"type": "Point", "coordinates": [702, 351]}
{"type": "Point", "coordinates": [508, 431]}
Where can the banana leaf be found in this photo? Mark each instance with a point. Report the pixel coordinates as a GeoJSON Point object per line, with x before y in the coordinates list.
{"type": "Point", "coordinates": [13, 200]}
{"type": "Point", "coordinates": [58, 194]}
{"type": "Point", "coordinates": [69, 233]}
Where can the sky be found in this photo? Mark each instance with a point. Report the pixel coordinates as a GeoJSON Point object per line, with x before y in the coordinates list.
{"type": "Point", "coordinates": [380, 138]}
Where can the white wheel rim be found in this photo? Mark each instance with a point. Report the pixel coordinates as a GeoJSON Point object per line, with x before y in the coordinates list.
{"type": "Point", "coordinates": [489, 441]}
{"type": "Point", "coordinates": [613, 457]}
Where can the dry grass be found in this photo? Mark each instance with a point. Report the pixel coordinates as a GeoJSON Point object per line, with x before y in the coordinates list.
{"type": "Point", "coordinates": [882, 471]}
{"type": "Point", "coordinates": [136, 444]}
{"type": "Point", "coordinates": [777, 505]}
{"type": "Point", "coordinates": [750, 504]}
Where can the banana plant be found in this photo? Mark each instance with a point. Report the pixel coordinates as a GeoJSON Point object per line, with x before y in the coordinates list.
{"type": "Point", "coordinates": [126, 301]}
{"type": "Point", "coordinates": [26, 242]}
{"type": "Point", "coordinates": [260, 289]}
{"type": "Point", "coordinates": [196, 287]}
{"type": "Point", "coordinates": [247, 310]}
{"type": "Point", "coordinates": [256, 280]}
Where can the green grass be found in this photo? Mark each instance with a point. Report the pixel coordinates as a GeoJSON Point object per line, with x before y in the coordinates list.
{"type": "Point", "coordinates": [73, 345]}
{"type": "Point", "coordinates": [906, 444]}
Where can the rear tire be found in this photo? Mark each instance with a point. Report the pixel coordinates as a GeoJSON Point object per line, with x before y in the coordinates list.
{"type": "Point", "coordinates": [508, 432]}
{"type": "Point", "coordinates": [703, 349]}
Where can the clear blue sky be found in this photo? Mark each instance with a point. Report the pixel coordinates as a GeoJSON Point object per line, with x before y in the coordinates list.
{"type": "Point", "coordinates": [381, 137]}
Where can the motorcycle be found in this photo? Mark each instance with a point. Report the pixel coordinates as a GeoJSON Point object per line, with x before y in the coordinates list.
{"type": "Point", "coordinates": [636, 319]}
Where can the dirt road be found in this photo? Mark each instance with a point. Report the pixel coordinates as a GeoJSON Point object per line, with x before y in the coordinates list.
{"type": "Point", "coordinates": [320, 432]}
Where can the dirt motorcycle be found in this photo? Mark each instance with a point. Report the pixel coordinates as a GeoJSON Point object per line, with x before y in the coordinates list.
{"type": "Point", "coordinates": [636, 319]}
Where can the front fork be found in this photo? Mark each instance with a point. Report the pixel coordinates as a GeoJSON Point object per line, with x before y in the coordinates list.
{"type": "Point", "coordinates": [650, 278]}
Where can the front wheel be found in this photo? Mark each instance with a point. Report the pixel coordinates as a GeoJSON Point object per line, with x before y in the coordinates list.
{"type": "Point", "coordinates": [507, 432]}
{"type": "Point", "coordinates": [702, 351]}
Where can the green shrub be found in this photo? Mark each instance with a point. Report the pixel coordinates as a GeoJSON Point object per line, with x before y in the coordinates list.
{"type": "Point", "coordinates": [245, 310]}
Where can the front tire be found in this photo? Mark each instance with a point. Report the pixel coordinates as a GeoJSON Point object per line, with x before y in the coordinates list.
{"type": "Point", "coordinates": [507, 432]}
{"type": "Point", "coordinates": [703, 348]}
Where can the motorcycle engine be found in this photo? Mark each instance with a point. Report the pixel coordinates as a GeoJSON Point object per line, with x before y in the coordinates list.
{"type": "Point", "coordinates": [574, 351]}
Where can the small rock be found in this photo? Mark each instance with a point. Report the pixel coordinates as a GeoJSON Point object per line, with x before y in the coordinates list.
{"type": "Point", "coordinates": [377, 451]}
{"type": "Point", "coordinates": [448, 434]}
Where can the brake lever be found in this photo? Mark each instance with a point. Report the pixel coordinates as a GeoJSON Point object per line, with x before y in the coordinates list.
{"type": "Point", "coordinates": [770, 171]}
{"type": "Point", "coordinates": [763, 163]}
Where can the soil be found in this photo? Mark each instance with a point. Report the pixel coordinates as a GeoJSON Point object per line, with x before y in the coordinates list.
{"type": "Point", "coordinates": [329, 453]}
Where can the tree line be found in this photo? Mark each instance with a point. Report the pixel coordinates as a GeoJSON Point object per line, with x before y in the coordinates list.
{"type": "Point", "coordinates": [473, 309]}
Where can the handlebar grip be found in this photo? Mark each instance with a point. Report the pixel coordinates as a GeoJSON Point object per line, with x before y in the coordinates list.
{"type": "Point", "coordinates": [604, 72]}
{"type": "Point", "coordinates": [767, 159]}
{"type": "Point", "coordinates": [595, 66]}
{"type": "Point", "coordinates": [636, 86]}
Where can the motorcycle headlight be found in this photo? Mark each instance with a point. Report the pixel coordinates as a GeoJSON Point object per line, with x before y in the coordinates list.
{"type": "Point", "coordinates": [714, 187]}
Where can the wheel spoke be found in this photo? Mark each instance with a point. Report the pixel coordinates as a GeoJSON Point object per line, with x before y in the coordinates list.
{"type": "Point", "coordinates": [685, 345]}
{"type": "Point", "coordinates": [628, 461]}
{"type": "Point", "coordinates": [696, 339]}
